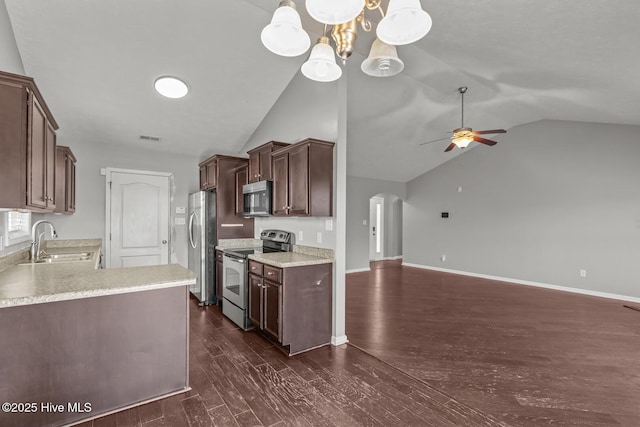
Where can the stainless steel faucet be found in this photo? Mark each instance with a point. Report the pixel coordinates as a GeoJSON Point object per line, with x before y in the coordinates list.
{"type": "Point", "coordinates": [35, 242]}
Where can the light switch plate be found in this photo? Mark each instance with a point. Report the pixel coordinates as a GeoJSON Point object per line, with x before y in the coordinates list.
{"type": "Point", "coordinates": [328, 224]}
{"type": "Point", "coordinates": [180, 221]}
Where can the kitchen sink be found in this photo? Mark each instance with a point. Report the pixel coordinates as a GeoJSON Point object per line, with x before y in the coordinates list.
{"type": "Point", "coordinates": [81, 255]}
{"type": "Point", "coordinates": [66, 257]}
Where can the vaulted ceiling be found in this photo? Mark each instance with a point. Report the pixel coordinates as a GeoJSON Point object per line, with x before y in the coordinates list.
{"type": "Point", "coordinates": [95, 62]}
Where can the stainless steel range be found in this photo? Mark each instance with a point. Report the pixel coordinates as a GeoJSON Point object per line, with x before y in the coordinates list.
{"type": "Point", "coordinates": [235, 292]}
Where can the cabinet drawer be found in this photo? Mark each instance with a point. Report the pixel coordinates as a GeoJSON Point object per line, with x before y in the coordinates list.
{"type": "Point", "coordinates": [273, 274]}
{"type": "Point", "coordinates": [255, 267]}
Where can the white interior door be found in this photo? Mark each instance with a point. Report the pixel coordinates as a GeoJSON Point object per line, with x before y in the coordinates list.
{"type": "Point", "coordinates": [376, 228]}
{"type": "Point", "coordinates": [138, 208]}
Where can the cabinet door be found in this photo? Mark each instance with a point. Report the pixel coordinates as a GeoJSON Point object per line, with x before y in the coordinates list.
{"type": "Point", "coordinates": [211, 174]}
{"type": "Point", "coordinates": [219, 274]}
{"type": "Point", "coordinates": [70, 184]}
{"type": "Point", "coordinates": [280, 185]}
{"type": "Point", "coordinates": [299, 181]}
{"type": "Point", "coordinates": [272, 308]}
{"type": "Point", "coordinates": [50, 178]}
{"type": "Point", "coordinates": [241, 179]}
{"type": "Point", "coordinates": [255, 300]}
{"type": "Point", "coordinates": [265, 164]}
{"type": "Point", "coordinates": [203, 177]}
{"type": "Point", "coordinates": [254, 167]}
{"type": "Point", "coordinates": [208, 175]}
{"type": "Point", "coordinates": [37, 157]}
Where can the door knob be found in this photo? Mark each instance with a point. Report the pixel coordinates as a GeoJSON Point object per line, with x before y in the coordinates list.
{"type": "Point", "coordinates": [164, 242]}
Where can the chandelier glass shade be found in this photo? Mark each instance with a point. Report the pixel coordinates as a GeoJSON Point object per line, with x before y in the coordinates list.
{"type": "Point", "coordinates": [334, 12]}
{"type": "Point", "coordinates": [284, 36]}
{"type": "Point", "coordinates": [383, 60]}
{"type": "Point", "coordinates": [321, 65]}
{"type": "Point", "coordinates": [405, 22]}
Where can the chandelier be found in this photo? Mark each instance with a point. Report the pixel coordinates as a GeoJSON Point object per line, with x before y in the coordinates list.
{"type": "Point", "coordinates": [404, 22]}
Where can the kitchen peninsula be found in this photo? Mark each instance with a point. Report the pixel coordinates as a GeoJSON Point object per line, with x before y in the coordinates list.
{"type": "Point", "coordinates": [84, 341]}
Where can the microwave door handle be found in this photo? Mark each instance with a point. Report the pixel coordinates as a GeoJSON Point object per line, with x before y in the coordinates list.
{"type": "Point", "coordinates": [193, 245]}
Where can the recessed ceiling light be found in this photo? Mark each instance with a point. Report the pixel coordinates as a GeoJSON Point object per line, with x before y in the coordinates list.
{"type": "Point", "coordinates": [171, 87]}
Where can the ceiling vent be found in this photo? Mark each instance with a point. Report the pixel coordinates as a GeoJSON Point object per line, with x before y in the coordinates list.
{"type": "Point", "coordinates": [149, 138]}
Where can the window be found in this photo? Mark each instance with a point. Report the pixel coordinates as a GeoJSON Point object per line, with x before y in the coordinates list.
{"type": "Point", "coordinates": [17, 227]}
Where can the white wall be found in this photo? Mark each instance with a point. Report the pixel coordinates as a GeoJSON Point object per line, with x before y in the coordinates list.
{"type": "Point", "coordinates": [550, 199]}
{"type": "Point", "coordinates": [10, 59]}
{"type": "Point", "coordinates": [89, 219]}
{"type": "Point", "coordinates": [359, 191]}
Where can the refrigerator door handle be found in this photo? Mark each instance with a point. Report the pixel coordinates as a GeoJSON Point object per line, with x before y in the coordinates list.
{"type": "Point", "coordinates": [193, 245]}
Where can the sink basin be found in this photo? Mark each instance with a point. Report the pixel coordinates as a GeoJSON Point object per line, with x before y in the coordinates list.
{"type": "Point", "coordinates": [81, 255]}
{"type": "Point", "coordinates": [65, 257]}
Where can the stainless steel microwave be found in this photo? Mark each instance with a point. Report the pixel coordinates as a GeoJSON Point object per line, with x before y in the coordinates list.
{"type": "Point", "coordinates": [256, 198]}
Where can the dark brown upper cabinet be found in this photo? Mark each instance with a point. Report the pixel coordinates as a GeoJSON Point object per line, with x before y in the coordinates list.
{"type": "Point", "coordinates": [65, 180]}
{"type": "Point", "coordinates": [303, 179]}
{"type": "Point", "coordinates": [28, 144]}
{"type": "Point", "coordinates": [241, 179]}
{"type": "Point", "coordinates": [224, 174]}
{"type": "Point", "coordinates": [209, 173]}
{"type": "Point", "coordinates": [260, 161]}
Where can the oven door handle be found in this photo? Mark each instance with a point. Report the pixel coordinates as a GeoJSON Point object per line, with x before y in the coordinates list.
{"type": "Point", "coordinates": [234, 259]}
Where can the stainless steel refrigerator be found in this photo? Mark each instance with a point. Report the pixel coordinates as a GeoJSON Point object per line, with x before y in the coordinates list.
{"type": "Point", "coordinates": [202, 245]}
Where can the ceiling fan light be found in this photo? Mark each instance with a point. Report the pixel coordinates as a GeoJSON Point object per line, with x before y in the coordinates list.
{"type": "Point", "coordinates": [383, 60]}
{"type": "Point", "coordinates": [462, 141]}
{"type": "Point", "coordinates": [321, 65]}
{"type": "Point", "coordinates": [334, 12]}
{"type": "Point", "coordinates": [404, 23]}
{"type": "Point", "coordinates": [284, 36]}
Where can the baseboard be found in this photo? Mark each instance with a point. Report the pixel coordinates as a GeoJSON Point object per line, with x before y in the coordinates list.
{"type": "Point", "coordinates": [357, 270]}
{"type": "Point", "coordinates": [529, 283]}
{"type": "Point", "coordinates": [339, 340]}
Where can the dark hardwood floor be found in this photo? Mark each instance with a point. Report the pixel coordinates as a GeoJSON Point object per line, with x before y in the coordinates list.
{"type": "Point", "coordinates": [240, 379]}
{"type": "Point", "coordinates": [527, 356]}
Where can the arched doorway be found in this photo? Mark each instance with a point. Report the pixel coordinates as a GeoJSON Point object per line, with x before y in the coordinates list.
{"type": "Point", "coordinates": [385, 230]}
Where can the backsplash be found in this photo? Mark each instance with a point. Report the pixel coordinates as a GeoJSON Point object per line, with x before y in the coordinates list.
{"type": "Point", "coordinates": [313, 230]}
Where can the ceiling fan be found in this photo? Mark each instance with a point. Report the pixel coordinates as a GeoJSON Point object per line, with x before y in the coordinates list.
{"type": "Point", "coordinates": [463, 136]}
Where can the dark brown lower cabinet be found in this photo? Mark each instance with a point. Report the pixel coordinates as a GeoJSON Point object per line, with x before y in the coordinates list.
{"type": "Point", "coordinates": [292, 305]}
{"type": "Point", "coordinates": [219, 274]}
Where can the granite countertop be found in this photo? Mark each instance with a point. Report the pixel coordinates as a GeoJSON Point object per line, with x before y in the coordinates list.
{"type": "Point", "coordinates": [29, 283]}
{"type": "Point", "coordinates": [300, 256]}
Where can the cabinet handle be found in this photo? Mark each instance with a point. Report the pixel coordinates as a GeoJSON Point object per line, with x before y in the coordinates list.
{"type": "Point", "coordinates": [319, 282]}
{"type": "Point", "coordinates": [270, 273]}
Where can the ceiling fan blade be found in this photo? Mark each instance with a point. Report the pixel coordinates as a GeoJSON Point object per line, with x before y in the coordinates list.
{"type": "Point", "coordinates": [450, 147]}
{"type": "Point", "coordinates": [435, 140]}
{"type": "Point", "coordinates": [485, 132]}
{"type": "Point", "coordinates": [484, 141]}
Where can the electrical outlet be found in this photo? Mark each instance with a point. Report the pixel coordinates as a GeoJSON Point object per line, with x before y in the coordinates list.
{"type": "Point", "coordinates": [364, 222]}
{"type": "Point", "coordinates": [443, 258]}
{"type": "Point", "coordinates": [319, 237]}
{"type": "Point", "coordinates": [583, 273]}
{"type": "Point", "coordinates": [300, 236]}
